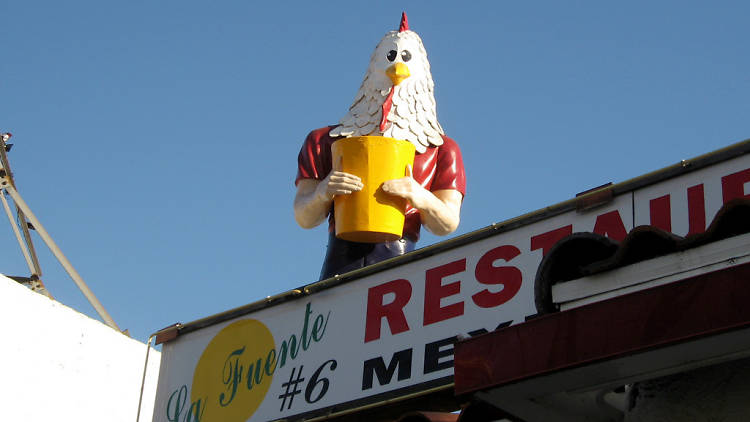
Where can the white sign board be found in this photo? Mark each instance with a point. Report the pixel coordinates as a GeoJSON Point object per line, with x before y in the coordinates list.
{"type": "Point", "coordinates": [392, 331]}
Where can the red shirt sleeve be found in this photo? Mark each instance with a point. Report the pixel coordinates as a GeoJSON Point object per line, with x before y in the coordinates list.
{"type": "Point", "coordinates": [449, 172]}
{"type": "Point", "coordinates": [314, 159]}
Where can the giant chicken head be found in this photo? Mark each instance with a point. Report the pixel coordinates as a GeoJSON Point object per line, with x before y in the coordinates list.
{"type": "Point", "coordinates": [396, 97]}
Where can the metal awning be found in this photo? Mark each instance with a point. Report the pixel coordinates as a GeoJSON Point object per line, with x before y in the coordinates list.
{"type": "Point", "coordinates": [550, 367]}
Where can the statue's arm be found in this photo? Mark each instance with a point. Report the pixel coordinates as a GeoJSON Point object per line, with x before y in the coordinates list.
{"type": "Point", "coordinates": [440, 210]}
{"type": "Point", "coordinates": [314, 197]}
{"type": "Point", "coordinates": [442, 216]}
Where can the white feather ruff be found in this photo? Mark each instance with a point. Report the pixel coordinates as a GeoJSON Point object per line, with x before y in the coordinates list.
{"type": "Point", "coordinates": [413, 116]}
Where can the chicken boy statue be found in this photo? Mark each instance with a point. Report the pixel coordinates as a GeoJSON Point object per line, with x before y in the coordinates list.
{"type": "Point", "coordinates": [396, 101]}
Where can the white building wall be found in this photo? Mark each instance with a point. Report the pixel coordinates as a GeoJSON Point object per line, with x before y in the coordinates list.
{"type": "Point", "coordinates": [57, 364]}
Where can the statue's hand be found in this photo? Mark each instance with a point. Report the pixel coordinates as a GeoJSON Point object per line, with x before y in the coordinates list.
{"type": "Point", "coordinates": [338, 183]}
{"type": "Point", "coordinates": [406, 187]}
{"type": "Point", "coordinates": [439, 210]}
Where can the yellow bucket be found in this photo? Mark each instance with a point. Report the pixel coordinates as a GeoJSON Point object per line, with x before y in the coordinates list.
{"type": "Point", "coordinates": [371, 215]}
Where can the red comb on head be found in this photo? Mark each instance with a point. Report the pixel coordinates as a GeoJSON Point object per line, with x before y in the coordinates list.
{"type": "Point", "coordinates": [404, 23]}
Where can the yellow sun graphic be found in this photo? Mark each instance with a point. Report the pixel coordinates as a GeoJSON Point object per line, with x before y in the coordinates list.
{"type": "Point", "coordinates": [235, 372]}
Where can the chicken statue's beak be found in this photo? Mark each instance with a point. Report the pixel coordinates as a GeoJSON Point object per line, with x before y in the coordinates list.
{"type": "Point", "coordinates": [397, 73]}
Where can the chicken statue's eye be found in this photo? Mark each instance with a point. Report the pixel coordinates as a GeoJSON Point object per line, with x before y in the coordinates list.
{"type": "Point", "coordinates": [405, 55]}
{"type": "Point", "coordinates": [392, 55]}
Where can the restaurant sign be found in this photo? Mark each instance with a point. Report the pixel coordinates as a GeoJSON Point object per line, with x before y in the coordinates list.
{"type": "Point", "coordinates": [340, 345]}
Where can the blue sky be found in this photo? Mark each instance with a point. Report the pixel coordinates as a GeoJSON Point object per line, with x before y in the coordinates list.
{"type": "Point", "coordinates": [157, 141]}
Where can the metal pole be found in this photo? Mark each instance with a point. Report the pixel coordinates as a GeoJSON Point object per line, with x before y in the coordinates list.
{"type": "Point", "coordinates": [27, 236]}
{"type": "Point", "coordinates": [143, 379]}
{"type": "Point", "coordinates": [61, 257]}
{"type": "Point", "coordinates": [8, 175]}
{"type": "Point", "coordinates": [24, 250]}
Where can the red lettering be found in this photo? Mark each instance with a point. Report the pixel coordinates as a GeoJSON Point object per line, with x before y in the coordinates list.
{"type": "Point", "coordinates": [435, 290]}
{"type": "Point", "coordinates": [509, 277]}
{"type": "Point", "coordinates": [661, 213]}
{"type": "Point", "coordinates": [696, 209]}
{"type": "Point", "coordinates": [610, 224]}
{"type": "Point", "coordinates": [393, 312]}
{"type": "Point", "coordinates": [546, 241]}
{"type": "Point", "coordinates": [733, 186]}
